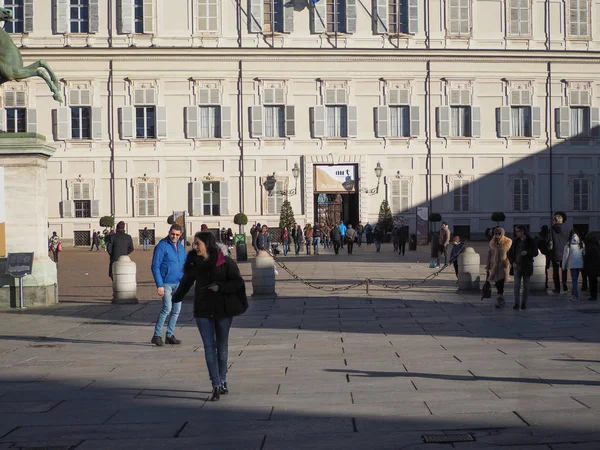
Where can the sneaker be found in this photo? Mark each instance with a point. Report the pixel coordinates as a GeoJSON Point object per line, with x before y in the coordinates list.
{"type": "Point", "coordinates": [516, 306]}
{"type": "Point", "coordinates": [157, 340]}
{"type": "Point", "coordinates": [216, 394]}
{"type": "Point", "coordinates": [224, 390]}
{"type": "Point", "coordinates": [172, 340]}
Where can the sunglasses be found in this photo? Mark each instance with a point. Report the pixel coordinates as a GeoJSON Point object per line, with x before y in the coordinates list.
{"type": "Point", "coordinates": [498, 234]}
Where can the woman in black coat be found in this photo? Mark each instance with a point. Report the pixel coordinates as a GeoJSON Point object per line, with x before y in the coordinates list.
{"type": "Point", "coordinates": [215, 275]}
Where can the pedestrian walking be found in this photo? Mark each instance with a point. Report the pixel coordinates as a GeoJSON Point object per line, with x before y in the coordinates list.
{"type": "Point", "coordinates": [350, 237]}
{"type": "Point", "coordinates": [402, 238]}
{"type": "Point", "coordinates": [396, 238]}
{"type": "Point", "coordinates": [216, 276]}
{"type": "Point", "coordinates": [263, 240]}
{"type": "Point", "coordinates": [168, 260]}
{"type": "Point", "coordinates": [558, 239]}
{"type": "Point", "coordinates": [95, 240]}
{"type": "Point", "coordinates": [54, 246]}
{"type": "Point", "coordinates": [457, 248]}
{"type": "Point", "coordinates": [298, 239]}
{"type": "Point", "coordinates": [444, 241]}
{"type": "Point", "coordinates": [520, 256]}
{"type": "Point", "coordinates": [230, 238]}
{"type": "Point", "coordinates": [120, 244]}
{"type": "Point", "coordinates": [343, 229]}
{"type": "Point", "coordinates": [369, 233]}
{"type": "Point", "coordinates": [573, 254]}
{"type": "Point", "coordinates": [308, 237]}
{"type": "Point", "coordinates": [498, 266]}
{"type": "Point", "coordinates": [326, 238]}
{"type": "Point", "coordinates": [360, 229]}
{"type": "Point", "coordinates": [285, 241]}
{"type": "Point", "coordinates": [336, 239]}
{"type": "Point", "coordinates": [145, 236]}
{"type": "Point", "coordinates": [254, 234]}
{"type": "Point", "coordinates": [378, 236]}
{"type": "Point", "coordinates": [316, 238]}
{"type": "Point", "coordinates": [591, 263]}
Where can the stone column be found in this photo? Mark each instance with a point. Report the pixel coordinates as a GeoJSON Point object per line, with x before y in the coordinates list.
{"type": "Point", "coordinates": [263, 275]}
{"type": "Point", "coordinates": [468, 270]}
{"type": "Point", "coordinates": [24, 157]}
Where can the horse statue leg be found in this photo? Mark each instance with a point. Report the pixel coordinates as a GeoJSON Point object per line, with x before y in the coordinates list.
{"type": "Point", "coordinates": [35, 69]}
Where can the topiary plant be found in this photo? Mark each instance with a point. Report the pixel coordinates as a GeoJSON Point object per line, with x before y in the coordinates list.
{"type": "Point", "coordinates": [498, 217]}
{"type": "Point", "coordinates": [107, 221]}
{"type": "Point", "coordinates": [170, 220]}
{"type": "Point", "coordinates": [240, 219]}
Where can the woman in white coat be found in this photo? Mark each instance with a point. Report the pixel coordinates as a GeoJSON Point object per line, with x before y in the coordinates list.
{"type": "Point", "coordinates": [573, 260]}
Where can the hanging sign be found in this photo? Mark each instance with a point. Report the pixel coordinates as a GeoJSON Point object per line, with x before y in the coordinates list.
{"type": "Point", "coordinates": [338, 178]}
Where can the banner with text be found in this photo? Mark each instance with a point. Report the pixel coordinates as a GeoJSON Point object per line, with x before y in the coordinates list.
{"type": "Point", "coordinates": [338, 178]}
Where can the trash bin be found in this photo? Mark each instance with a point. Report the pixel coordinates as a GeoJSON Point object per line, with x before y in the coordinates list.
{"type": "Point", "coordinates": [412, 242]}
{"type": "Point", "coordinates": [240, 247]}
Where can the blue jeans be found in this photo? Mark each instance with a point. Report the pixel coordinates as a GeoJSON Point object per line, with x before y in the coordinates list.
{"type": "Point", "coordinates": [168, 308]}
{"type": "Point", "coordinates": [298, 246]}
{"type": "Point", "coordinates": [574, 280]}
{"type": "Point", "coordinates": [316, 242]}
{"type": "Point", "coordinates": [146, 244]}
{"type": "Point", "coordinates": [517, 277]}
{"type": "Point", "coordinates": [215, 350]}
{"type": "Point", "coordinates": [286, 249]}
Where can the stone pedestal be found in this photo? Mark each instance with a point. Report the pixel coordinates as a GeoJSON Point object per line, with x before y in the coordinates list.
{"type": "Point", "coordinates": [24, 158]}
{"type": "Point", "coordinates": [537, 282]}
{"type": "Point", "coordinates": [469, 270]}
{"type": "Point", "coordinates": [263, 275]}
{"type": "Point", "coordinates": [124, 281]}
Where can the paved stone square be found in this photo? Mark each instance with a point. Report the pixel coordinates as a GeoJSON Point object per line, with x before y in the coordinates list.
{"type": "Point", "coordinates": [310, 369]}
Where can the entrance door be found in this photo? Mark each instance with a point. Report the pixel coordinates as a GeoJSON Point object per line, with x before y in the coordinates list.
{"type": "Point", "coordinates": [330, 209]}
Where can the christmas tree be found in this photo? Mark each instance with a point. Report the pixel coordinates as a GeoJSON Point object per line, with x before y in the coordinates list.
{"type": "Point", "coordinates": [384, 220]}
{"type": "Point", "coordinates": [286, 217]}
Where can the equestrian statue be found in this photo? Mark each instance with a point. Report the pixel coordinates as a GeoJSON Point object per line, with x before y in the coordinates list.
{"type": "Point", "coordinates": [11, 62]}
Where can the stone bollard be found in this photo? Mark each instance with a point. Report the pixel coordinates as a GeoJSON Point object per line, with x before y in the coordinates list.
{"type": "Point", "coordinates": [468, 270]}
{"type": "Point", "coordinates": [263, 275]}
{"type": "Point", "coordinates": [124, 281]}
{"type": "Point", "coordinates": [537, 282]}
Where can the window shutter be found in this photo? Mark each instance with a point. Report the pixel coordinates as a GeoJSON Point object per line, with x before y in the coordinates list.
{"type": "Point", "coordinates": [61, 16]}
{"type": "Point", "coordinates": [161, 122]}
{"type": "Point", "coordinates": [413, 16]}
{"type": "Point", "coordinates": [204, 96]}
{"type": "Point", "coordinates": [515, 98]}
{"type": "Point", "coordinates": [68, 209]}
{"type": "Point", "coordinates": [28, 16]}
{"type": "Point", "coordinates": [563, 119]}
{"type": "Point", "coordinates": [77, 191]}
{"type": "Point", "coordinates": [86, 191]}
{"type": "Point", "coordinates": [290, 120]}
{"type": "Point", "coordinates": [256, 121]}
{"type": "Point", "coordinates": [475, 121]}
{"type": "Point", "coordinates": [139, 97]}
{"type": "Point", "coordinates": [414, 121]}
{"type": "Point", "coordinates": [272, 200]}
{"type": "Point", "coordinates": [96, 123]}
{"type": "Point", "coordinates": [443, 121]}
{"type": "Point", "coordinates": [288, 17]}
{"type": "Point", "coordinates": [149, 18]}
{"type": "Point", "coordinates": [381, 121]}
{"type": "Point", "coordinates": [255, 18]}
{"type": "Point", "coordinates": [225, 122]}
{"type": "Point", "coordinates": [454, 19]}
{"type": "Point", "coordinates": [224, 204]}
{"type": "Point", "coordinates": [574, 98]}
{"type": "Point", "coordinates": [126, 122]}
{"type": "Point", "coordinates": [350, 16]}
{"type": "Point", "coordinates": [31, 120]}
{"type": "Point", "coordinates": [274, 96]}
{"type": "Point", "coordinates": [195, 198]}
{"type": "Point", "coordinates": [85, 97]}
{"type": "Point", "coordinates": [404, 195]}
{"type": "Point", "coordinates": [455, 97]}
{"type": "Point", "coordinates": [398, 97]}
{"type": "Point", "coordinates": [525, 194]}
{"type": "Point", "coordinates": [318, 121]}
{"type": "Point", "coordinates": [595, 122]}
{"type": "Point", "coordinates": [15, 99]}
{"type": "Point", "coordinates": [2, 120]}
{"type": "Point", "coordinates": [319, 16]}
{"type": "Point", "coordinates": [395, 197]}
{"type": "Point", "coordinates": [341, 97]}
{"type": "Point", "coordinates": [352, 121]}
{"type": "Point", "coordinates": [93, 16]}
{"type": "Point", "coordinates": [62, 124]}
{"type": "Point", "coordinates": [192, 122]}
{"type": "Point", "coordinates": [525, 98]}
{"type": "Point", "coordinates": [380, 17]}
{"type": "Point", "coordinates": [330, 97]}
{"type": "Point", "coordinates": [95, 208]}
{"type": "Point", "coordinates": [517, 195]}
{"type": "Point", "coordinates": [125, 16]}
{"type": "Point", "coordinates": [536, 122]}
{"type": "Point", "coordinates": [503, 122]}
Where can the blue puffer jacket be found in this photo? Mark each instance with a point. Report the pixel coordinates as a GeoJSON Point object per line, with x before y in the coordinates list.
{"type": "Point", "coordinates": [167, 262]}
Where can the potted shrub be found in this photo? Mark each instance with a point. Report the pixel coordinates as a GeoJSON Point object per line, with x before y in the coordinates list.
{"type": "Point", "coordinates": [107, 221]}
{"type": "Point", "coordinates": [498, 217]}
{"type": "Point", "coordinates": [240, 219]}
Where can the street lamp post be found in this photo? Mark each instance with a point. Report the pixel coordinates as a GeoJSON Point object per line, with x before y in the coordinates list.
{"type": "Point", "coordinates": [378, 173]}
{"type": "Point", "coordinates": [271, 182]}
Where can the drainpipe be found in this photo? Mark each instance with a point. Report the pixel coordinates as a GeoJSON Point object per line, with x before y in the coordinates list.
{"type": "Point", "coordinates": [428, 134]}
{"type": "Point", "coordinates": [111, 134]}
{"type": "Point", "coordinates": [549, 128]}
{"type": "Point", "coordinates": [240, 115]}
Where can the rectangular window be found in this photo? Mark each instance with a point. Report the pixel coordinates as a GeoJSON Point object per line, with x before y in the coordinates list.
{"type": "Point", "coordinates": [461, 121]}
{"type": "Point", "coordinates": [146, 198]}
{"type": "Point", "coordinates": [208, 16]}
{"type": "Point", "coordinates": [210, 121]}
{"type": "Point", "coordinates": [398, 16]}
{"type": "Point", "coordinates": [579, 16]}
{"type": "Point", "coordinates": [336, 16]}
{"type": "Point", "coordinates": [520, 121]}
{"type": "Point", "coordinates": [274, 121]}
{"type": "Point", "coordinates": [580, 121]}
{"type": "Point", "coordinates": [138, 15]}
{"type": "Point", "coordinates": [16, 120]}
{"type": "Point", "coordinates": [521, 192]}
{"type": "Point", "coordinates": [459, 17]}
{"type": "Point", "coordinates": [273, 16]}
{"type": "Point", "coordinates": [16, 24]}
{"type": "Point", "coordinates": [79, 13]}
{"type": "Point", "coordinates": [80, 122]}
{"type": "Point", "coordinates": [581, 194]}
{"type": "Point", "coordinates": [399, 121]}
{"type": "Point", "coordinates": [461, 195]}
{"type": "Point", "coordinates": [211, 198]}
{"type": "Point", "coordinates": [337, 120]}
{"type": "Point", "coordinates": [145, 122]}
{"type": "Point", "coordinates": [83, 208]}
{"type": "Point", "coordinates": [519, 17]}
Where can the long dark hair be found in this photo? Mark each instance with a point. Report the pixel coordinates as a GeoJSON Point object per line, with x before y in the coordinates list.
{"type": "Point", "coordinates": [209, 241]}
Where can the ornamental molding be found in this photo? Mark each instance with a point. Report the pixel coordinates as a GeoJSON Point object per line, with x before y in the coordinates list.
{"type": "Point", "coordinates": [581, 175]}
{"type": "Point", "coordinates": [578, 85]}
{"type": "Point", "coordinates": [397, 83]}
{"type": "Point", "coordinates": [519, 174]}
{"type": "Point", "coordinates": [450, 179]}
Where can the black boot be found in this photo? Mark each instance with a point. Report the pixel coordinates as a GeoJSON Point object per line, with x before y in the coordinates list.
{"type": "Point", "coordinates": [216, 394]}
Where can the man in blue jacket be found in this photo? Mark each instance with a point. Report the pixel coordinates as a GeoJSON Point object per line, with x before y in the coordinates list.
{"type": "Point", "coordinates": [167, 268]}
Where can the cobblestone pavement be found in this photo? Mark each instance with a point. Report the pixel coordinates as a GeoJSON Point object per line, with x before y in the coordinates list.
{"type": "Point", "coordinates": [308, 370]}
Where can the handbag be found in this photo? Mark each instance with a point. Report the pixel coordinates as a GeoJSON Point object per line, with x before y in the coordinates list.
{"type": "Point", "coordinates": [486, 290]}
{"type": "Point", "coordinates": [236, 304]}
{"type": "Point", "coordinates": [59, 247]}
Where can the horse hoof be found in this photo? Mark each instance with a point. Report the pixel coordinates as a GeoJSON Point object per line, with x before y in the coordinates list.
{"type": "Point", "coordinates": [58, 97]}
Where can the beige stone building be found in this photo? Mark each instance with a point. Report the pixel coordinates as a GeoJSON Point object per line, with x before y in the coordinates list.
{"type": "Point", "coordinates": [464, 107]}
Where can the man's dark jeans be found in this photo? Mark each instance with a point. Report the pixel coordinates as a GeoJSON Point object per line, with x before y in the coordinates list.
{"type": "Point", "coordinates": [556, 269]}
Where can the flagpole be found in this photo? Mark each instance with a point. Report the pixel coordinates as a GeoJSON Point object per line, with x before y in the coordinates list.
{"type": "Point", "coordinates": [273, 24]}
